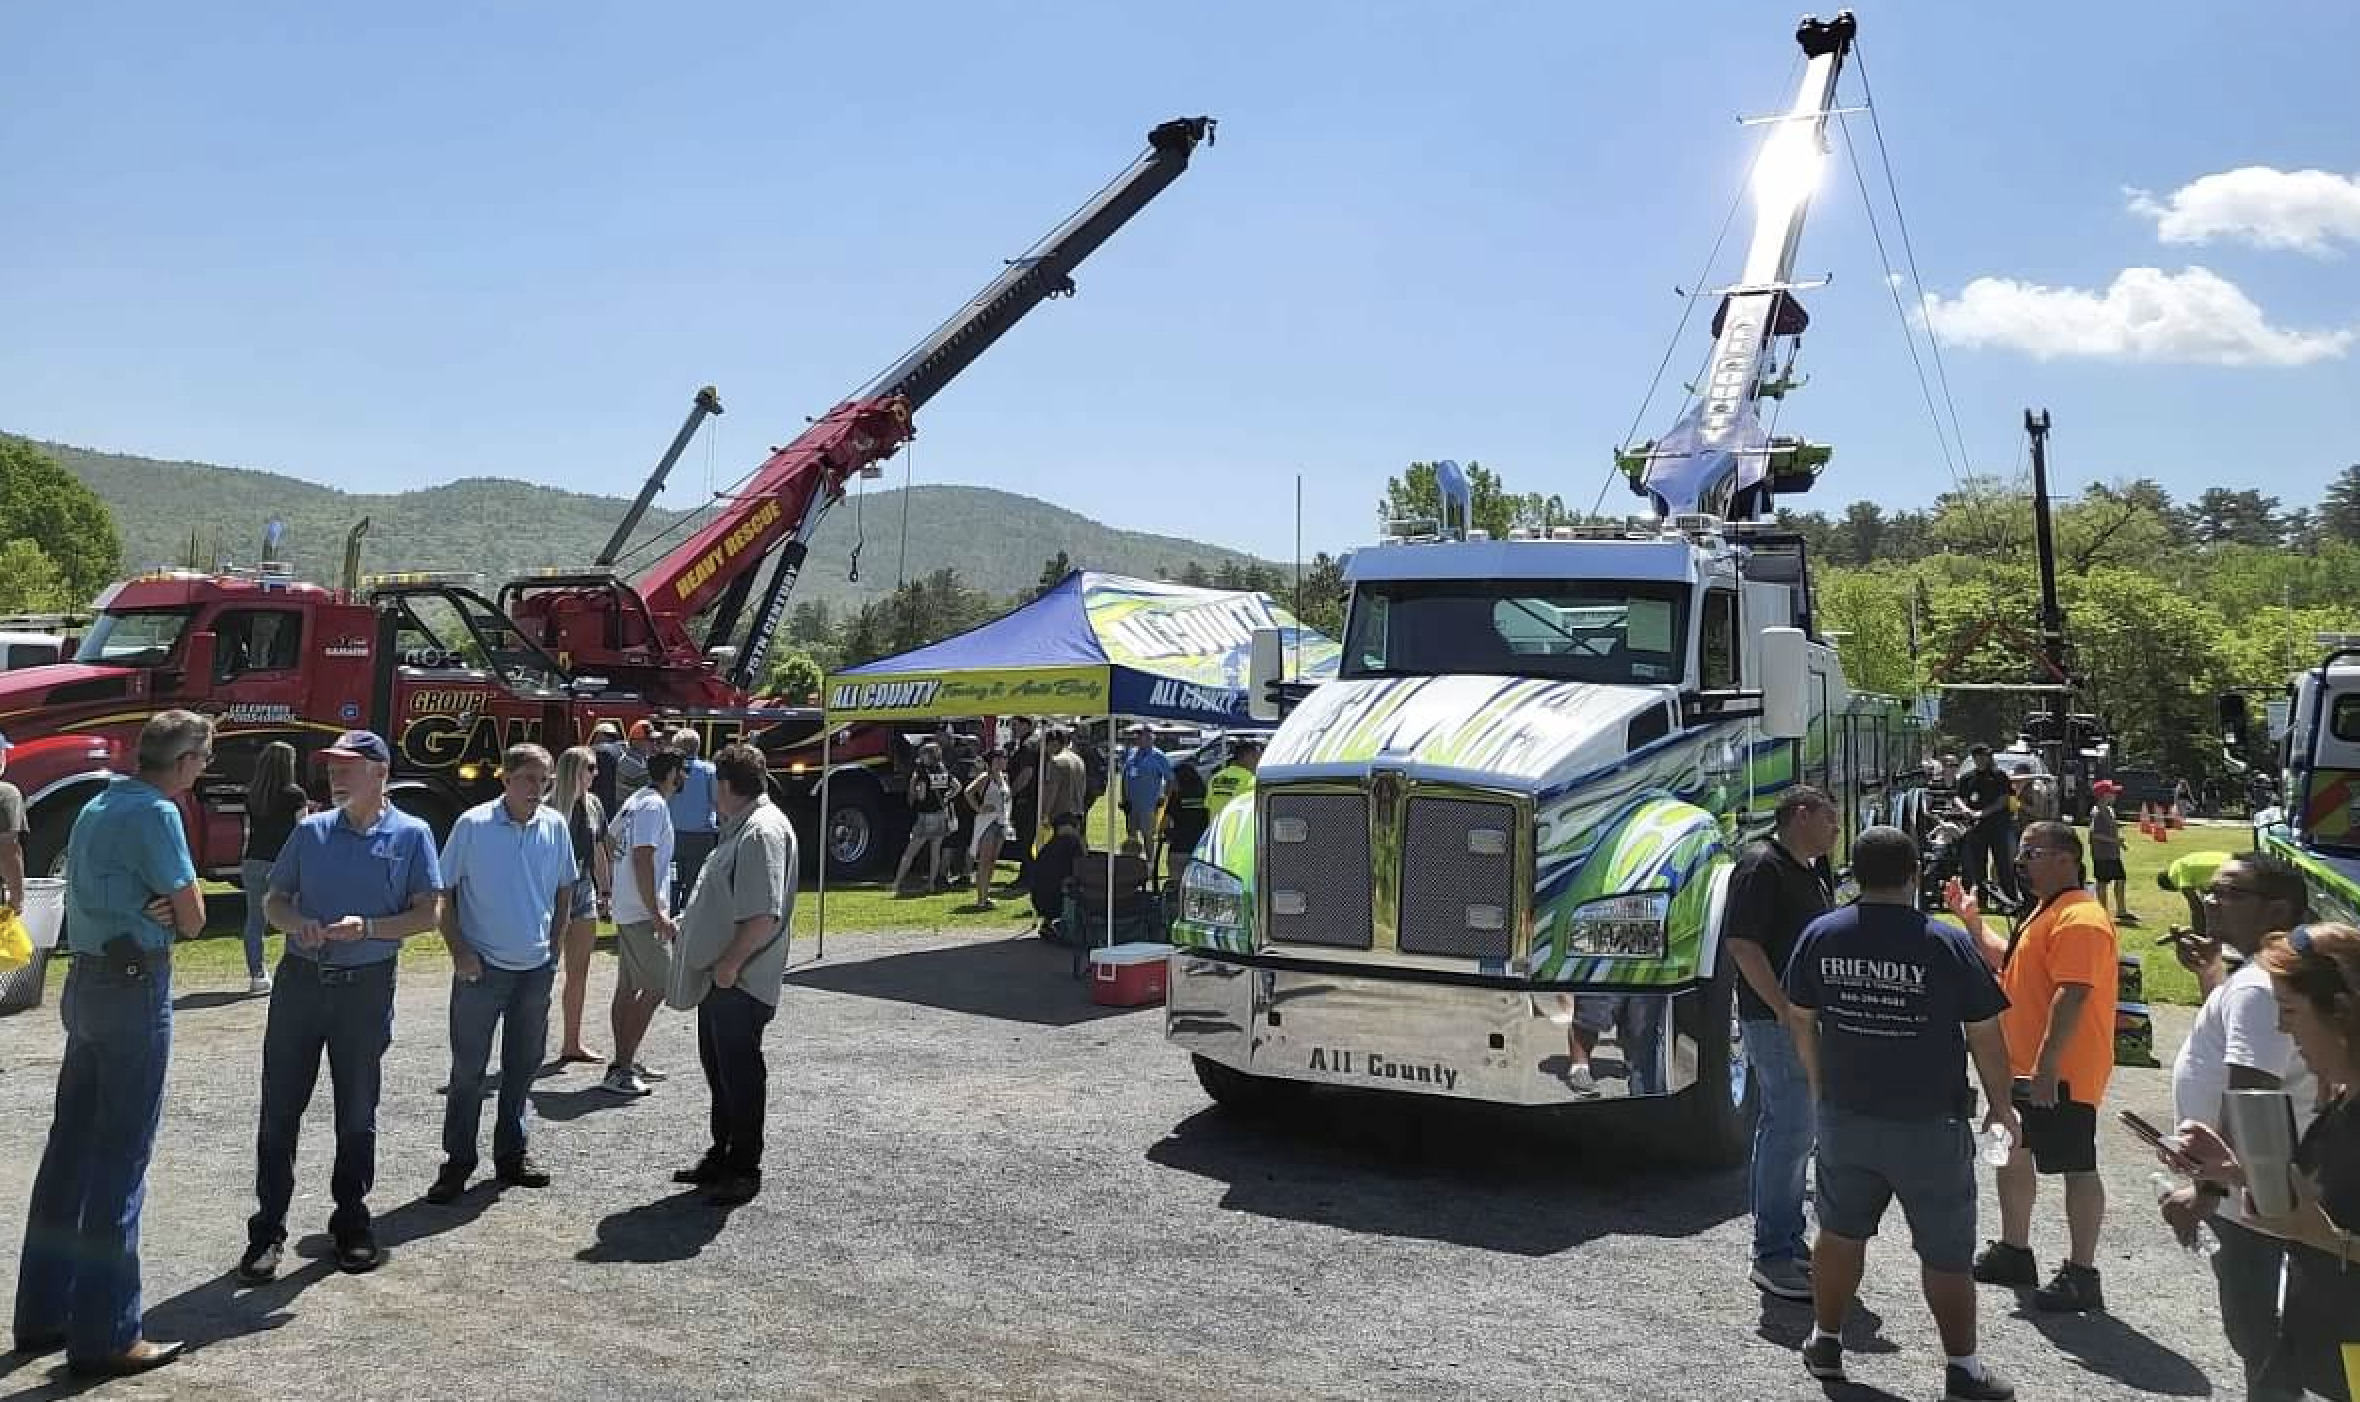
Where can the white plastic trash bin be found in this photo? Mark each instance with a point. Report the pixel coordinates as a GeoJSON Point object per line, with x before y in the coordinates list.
{"type": "Point", "coordinates": [45, 919]}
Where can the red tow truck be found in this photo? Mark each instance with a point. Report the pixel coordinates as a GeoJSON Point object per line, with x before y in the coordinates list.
{"type": "Point", "coordinates": [452, 677]}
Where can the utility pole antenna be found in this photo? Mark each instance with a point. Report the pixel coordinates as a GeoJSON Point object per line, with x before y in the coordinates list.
{"type": "Point", "coordinates": [2052, 615]}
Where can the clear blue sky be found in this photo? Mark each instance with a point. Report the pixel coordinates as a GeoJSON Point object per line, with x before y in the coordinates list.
{"type": "Point", "coordinates": [384, 246]}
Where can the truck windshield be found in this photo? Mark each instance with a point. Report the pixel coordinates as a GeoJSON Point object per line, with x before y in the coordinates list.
{"type": "Point", "coordinates": [1616, 632]}
{"type": "Point", "coordinates": [143, 639]}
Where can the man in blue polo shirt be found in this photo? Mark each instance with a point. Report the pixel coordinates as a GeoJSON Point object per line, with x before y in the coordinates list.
{"type": "Point", "coordinates": [130, 888]}
{"type": "Point", "coordinates": [351, 884]}
{"type": "Point", "coordinates": [509, 872]}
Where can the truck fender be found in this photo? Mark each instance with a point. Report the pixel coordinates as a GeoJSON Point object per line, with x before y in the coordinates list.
{"type": "Point", "coordinates": [1708, 955]}
{"type": "Point", "coordinates": [49, 818]}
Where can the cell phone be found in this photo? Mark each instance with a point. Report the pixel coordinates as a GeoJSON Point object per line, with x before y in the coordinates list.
{"type": "Point", "coordinates": [2132, 1121]}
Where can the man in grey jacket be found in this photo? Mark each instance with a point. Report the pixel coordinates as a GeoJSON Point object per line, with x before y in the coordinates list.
{"type": "Point", "coordinates": [731, 964]}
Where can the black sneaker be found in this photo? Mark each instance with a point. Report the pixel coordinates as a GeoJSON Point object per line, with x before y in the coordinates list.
{"type": "Point", "coordinates": [359, 1253]}
{"type": "Point", "coordinates": [523, 1173]}
{"type": "Point", "coordinates": [1959, 1385]}
{"type": "Point", "coordinates": [260, 1264]}
{"type": "Point", "coordinates": [1824, 1359]}
{"type": "Point", "coordinates": [2072, 1290]}
{"type": "Point", "coordinates": [448, 1185]}
{"type": "Point", "coordinates": [705, 1174]}
{"type": "Point", "coordinates": [2012, 1266]}
{"type": "Point", "coordinates": [735, 1190]}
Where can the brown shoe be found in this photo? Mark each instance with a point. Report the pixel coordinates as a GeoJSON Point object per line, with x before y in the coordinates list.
{"type": "Point", "coordinates": [143, 1356]}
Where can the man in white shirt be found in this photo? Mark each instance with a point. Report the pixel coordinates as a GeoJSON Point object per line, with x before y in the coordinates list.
{"type": "Point", "coordinates": [2236, 1044]}
{"type": "Point", "coordinates": [643, 841]}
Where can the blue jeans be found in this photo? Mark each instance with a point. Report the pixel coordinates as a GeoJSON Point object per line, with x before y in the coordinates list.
{"type": "Point", "coordinates": [254, 876]}
{"type": "Point", "coordinates": [517, 1002]}
{"type": "Point", "coordinates": [1782, 1139]}
{"type": "Point", "coordinates": [347, 1014]}
{"type": "Point", "coordinates": [80, 1271]}
{"type": "Point", "coordinates": [689, 851]}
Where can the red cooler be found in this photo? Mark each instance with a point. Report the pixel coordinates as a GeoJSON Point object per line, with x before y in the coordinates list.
{"type": "Point", "coordinates": [1128, 975]}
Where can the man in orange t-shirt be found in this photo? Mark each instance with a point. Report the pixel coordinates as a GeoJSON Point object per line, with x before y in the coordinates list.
{"type": "Point", "coordinates": [2059, 972]}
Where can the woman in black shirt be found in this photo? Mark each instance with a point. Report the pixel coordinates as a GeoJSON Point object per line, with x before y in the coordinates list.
{"type": "Point", "coordinates": [273, 803]}
{"type": "Point", "coordinates": [2315, 970]}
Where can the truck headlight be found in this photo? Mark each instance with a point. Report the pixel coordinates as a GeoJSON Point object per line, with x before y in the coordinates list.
{"type": "Point", "coordinates": [1620, 927]}
{"type": "Point", "coordinates": [1212, 896]}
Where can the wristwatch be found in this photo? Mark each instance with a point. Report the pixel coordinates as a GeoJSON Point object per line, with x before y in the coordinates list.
{"type": "Point", "coordinates": [2214, 1191]}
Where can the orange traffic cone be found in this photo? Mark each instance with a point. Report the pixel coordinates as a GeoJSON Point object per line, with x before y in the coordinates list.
{"type": "Point", "coordinates": [2155, 830]}
{"type": "Point", "coordinates": [2177, 822]}
{"type": "Point", "coordinates": [2146, 819]}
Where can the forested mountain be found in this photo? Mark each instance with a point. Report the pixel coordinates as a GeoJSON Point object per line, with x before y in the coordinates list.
{"type": "Point", "coordinates": [501, 527]}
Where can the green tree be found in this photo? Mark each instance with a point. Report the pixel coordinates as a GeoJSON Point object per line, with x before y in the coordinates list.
{"type": "Point", "coordinates": [1320, 603]}
{"type": "Point", "coordinates": [795, 676]}
{"type": "Point", "coordinates": [1870, 610]}
{"type": "Point", "coordinates": [1053, 573]}
{"type": "Point", "coordinates": [2339, 509]}
{"type": "Point", "coordinates": [1417, 495]}
{"type": "Point", "coordinates": [2242, 516]}
{"type": "Point", "coordinates": [40, 501]}
{"type": "Point", "coordinates": [31, 582]}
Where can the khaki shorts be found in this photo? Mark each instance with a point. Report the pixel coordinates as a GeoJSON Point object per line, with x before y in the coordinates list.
{"type": "Point", "coordinates": [643, 963]}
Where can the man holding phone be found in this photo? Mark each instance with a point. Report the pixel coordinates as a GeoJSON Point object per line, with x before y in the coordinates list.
{"type": "Point", "coordinates": [2236, 1044]}
{"type": "Point", "coordinates": [2059, 970]}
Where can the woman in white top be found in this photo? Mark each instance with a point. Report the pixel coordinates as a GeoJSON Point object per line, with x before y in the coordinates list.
{"type": "Point", "coordinates": [992, 800]}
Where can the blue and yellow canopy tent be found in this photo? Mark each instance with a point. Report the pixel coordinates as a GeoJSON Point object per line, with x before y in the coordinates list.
{"type": "Point", "coordinates": [1095, 645]}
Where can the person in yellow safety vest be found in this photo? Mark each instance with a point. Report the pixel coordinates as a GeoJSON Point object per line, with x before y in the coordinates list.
{"type": "Point", "coordinates": [1233, 778]}
{"type": "Point", "coordinates": [2192, 876]}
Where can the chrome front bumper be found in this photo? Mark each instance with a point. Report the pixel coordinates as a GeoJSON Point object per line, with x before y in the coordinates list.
{"type": "Point", "coordinates": [1497, 1045]}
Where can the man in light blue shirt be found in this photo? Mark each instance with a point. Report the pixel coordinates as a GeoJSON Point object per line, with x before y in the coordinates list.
{"type": "Point", "coordinates": [695, 828]}
{"type": "Point", "coordinates": [130, 887]}
{"type": "Point", "coordinates": [1147, 774]}
{"type": "Point", "coordinates": [509, 872]}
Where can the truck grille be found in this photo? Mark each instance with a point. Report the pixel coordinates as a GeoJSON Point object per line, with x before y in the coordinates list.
{"type": "Point", "coordinates": [1458, 870]}
{"type": "Point", "coordinates": [1315, 868]}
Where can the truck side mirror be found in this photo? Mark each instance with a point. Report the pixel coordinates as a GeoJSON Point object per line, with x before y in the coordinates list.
{"type": "Point", "coordinates": [2234, 719]}
{"type": "Point", "coordinates": [196, 667]}
{"type": "Point", "coordinates": [1784, 654]}
{"type": "Point", "coordinates": [1264, 668]}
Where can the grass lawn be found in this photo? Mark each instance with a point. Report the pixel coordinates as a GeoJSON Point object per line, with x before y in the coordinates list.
{"type": "Point", "coordinates": [218, 956]}
{"type": "Point", "coordinates": [2158, 910]}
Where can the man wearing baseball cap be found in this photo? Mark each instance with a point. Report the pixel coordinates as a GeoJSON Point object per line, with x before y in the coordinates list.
{"type": "Point", "coordinates": [351, 884]}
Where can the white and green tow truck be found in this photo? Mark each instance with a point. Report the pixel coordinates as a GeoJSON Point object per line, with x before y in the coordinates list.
{"type": "Point", "coordinates": [1489, 860]}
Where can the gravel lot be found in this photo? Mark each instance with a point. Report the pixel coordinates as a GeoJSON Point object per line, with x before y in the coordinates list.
{"type": "Point", "coordinates": [981, 1186]}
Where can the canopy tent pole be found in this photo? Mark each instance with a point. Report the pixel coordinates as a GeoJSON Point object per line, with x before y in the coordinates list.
{"type": "Point", "coordinates": [827, 733]}
{"type": "Point", "coordinates": [1114, 781]}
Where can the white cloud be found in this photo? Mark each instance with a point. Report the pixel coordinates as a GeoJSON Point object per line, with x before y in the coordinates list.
{"type": "Point", "coordinates": [2309, 211]}
{"type": "Point", "coordinates": [2193, 317]}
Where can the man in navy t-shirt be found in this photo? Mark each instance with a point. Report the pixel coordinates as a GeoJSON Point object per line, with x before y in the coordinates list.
{"type": "Point", "coordinates": [1887, 1005]}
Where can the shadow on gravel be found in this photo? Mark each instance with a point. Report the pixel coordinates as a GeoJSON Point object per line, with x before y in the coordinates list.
{"type": "Point", "coordinates": [1787, 1323]}
{"type": "Point", "coordinates": [1023, 979]}
{"type": "Point", "coordinates": [668, 1229]}
{"type": "Point", "coordinates": [1472, 1175]}
{"type": "Point", "coordinates": [223, 1309]}
{"type": "Point", "coordinates": [2110, 1348]}
{"type": "Point", "coordinates": [561, 1106]}
{"type": "Point", "coordinates": [213, 998]}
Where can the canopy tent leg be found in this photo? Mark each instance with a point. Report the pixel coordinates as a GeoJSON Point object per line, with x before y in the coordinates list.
{"type": "Point", "coordinates": [826, 734]}
{"type": "Point", "coordinates": [1114, 784]}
